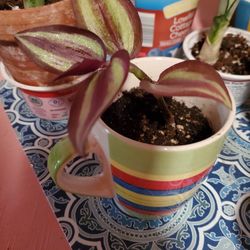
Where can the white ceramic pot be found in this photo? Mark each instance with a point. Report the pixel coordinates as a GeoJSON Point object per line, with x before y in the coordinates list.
{"type": "Point", "coordinates": [238, 84]}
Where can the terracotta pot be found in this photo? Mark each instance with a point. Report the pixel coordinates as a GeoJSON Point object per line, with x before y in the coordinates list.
{"type": "Point", "coordinates": [12, 21]}
{"type": "Point", "coordinates": [238, 84]}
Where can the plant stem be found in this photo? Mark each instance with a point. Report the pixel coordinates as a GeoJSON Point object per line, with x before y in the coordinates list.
{"type": "Point", "coordinates": [210, 50]}
{"type": "Point", "coordinates": [141, 75]}
{"type": "Point", "coordinates": [166, 112]}
{"type": "Point", "coordinates": [33, 3]}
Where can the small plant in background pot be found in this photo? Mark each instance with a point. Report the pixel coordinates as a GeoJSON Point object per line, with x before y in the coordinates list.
{"type": "Point", "coordinates": [226, 48]}
{"type": "Point", "coordinates": [147, 179]}
{"type": "Point", "coordinates": [209, 52]}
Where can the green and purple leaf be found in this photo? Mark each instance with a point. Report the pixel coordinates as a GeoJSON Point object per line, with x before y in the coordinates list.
{"type": "Point", "coordinates": [59, 48]}
{"type": "Point", "coordinates": [87, 66]}
{"type": "Point", "coordinates": [116, 22]}
{"type": "Point", "coordinates": [95, 95]}
{"type": "Point", "coordinates": [139, 73]}
{"type": "Point", "coordinates": [190, 78]}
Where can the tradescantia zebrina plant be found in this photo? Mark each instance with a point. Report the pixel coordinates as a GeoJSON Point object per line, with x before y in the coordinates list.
{"type": "Point", "coordinates": [74, 51]}
{"type": "Point", "coordinates": [188, 78]}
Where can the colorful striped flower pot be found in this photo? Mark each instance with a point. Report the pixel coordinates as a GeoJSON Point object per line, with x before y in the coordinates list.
{"type": "Point", "coordinates": [147, 180]}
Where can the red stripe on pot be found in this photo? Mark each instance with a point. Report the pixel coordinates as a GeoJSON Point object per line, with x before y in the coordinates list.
{"type": "Point", "coordinates": [158, 185]}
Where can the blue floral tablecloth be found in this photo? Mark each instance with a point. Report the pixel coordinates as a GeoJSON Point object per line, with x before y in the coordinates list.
{"type": "Point", "coordinates": [217, 217]}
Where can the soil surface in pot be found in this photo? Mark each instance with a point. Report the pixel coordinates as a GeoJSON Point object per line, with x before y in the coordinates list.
{"type": "Point", "coordinates": [138, 115]}
{"type": "Point", "coordinates": [10, 4]}
{"type": "Point", "coordinates": [234, 55]}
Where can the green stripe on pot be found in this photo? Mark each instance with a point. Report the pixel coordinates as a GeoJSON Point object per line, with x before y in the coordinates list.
{"type": "Point", "coordinates": [60, 154]}
{"type": "Point", "coordinates": [164, 162]}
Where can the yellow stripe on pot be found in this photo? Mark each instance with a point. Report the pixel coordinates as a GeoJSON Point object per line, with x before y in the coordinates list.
{"type": "Point", "coordinates": [161, 177]}
{"type": "Point", "coordinates": [154, 201]}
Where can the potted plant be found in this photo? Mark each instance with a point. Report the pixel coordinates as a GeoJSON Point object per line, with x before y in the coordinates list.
{"type": "Point", "coordinates": [148, 179]}
{"type": "Point", "coordinates": [224, 47]}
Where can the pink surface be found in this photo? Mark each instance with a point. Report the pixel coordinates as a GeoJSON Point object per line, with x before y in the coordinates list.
{"type": "Point", "coordinates": [26, 219]}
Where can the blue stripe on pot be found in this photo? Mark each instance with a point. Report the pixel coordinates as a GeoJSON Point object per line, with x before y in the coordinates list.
{"type": "Point", "coordinates": [150, 192]}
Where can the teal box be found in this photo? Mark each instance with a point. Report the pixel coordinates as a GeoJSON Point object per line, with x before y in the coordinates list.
{"type": "Point", "coordinates": [242, 15]}
{"type": "Point", "coordinates": [153, 4]}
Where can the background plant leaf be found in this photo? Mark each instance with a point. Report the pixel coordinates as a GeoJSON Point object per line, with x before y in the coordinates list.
{"type": "Point", "coordinates": [58, 47]}
{"type": "Point", "coordinates": [116, 22]}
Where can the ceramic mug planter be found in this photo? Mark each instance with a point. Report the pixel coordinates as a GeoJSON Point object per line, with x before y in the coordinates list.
{"type": "Point", "coordinates": [12, 21]}
{"type": "Point", "coordinates": [238, 84]}
{"type": "Point", "coordinates": [147, 180]}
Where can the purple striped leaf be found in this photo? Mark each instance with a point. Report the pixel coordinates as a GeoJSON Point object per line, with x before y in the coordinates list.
{"type": "Point", "coordinates": [116, 22]}
{"type": "Point", "coordinates": [58, 47]}
{"type": "Point", "coordinates": [95, 95]}
{"type": "Point", "coordinates": [190, 78]}
{"type": "Point", "coordinates": [87, 66]}
{"type": "Point", "coordinates": [139, 73]}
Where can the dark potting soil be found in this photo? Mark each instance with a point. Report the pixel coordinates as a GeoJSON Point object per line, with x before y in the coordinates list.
{"type": "Point", "coordinates": [10, 4]}
{"type": "Point", "coordinates": [234, 55]}
{"type": "Point", "coordinates": [138, 115]}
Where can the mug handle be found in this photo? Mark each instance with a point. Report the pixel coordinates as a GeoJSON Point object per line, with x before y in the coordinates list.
{"type": "Point", "coordinates": [100, 185]}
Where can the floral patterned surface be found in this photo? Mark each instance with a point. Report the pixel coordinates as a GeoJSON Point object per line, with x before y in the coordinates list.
{"type": "Point", "coordinates": [217, 217]}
